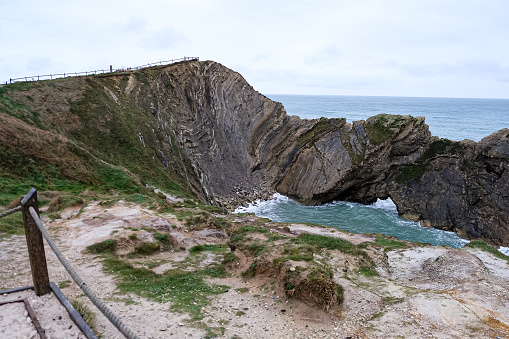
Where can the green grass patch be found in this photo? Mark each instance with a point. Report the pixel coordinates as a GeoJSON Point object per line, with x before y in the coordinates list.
{"type": "Point", "coordinates": [85, 313]}
{"type": "Point", "coordinates": [250, 272]}
{"type": "Point", "coordinates": [136, 198]}
{"type": "Point", "coordinates": [229, 257]}
{"type": "Point", "coordinates": [377, 315]}
{"type": "Point", "coordinates": [487, 248]}
{"type": "Point", "coordinates": [330, 243]}
{"type": "Point", "coordinates": [187, 291]}
{"type": "Point", "coordinates": [393, 300]}
{"type": "Point", "coordinates": [64, 284]}
{"type": "Point", "coordinates": [64, 201]}
{"type": "Point", "coordinates": [12, 224]}
{"type": "Point", "coordinates": [368, 271]}
{"type": "Point", "coordinates": [212, 248]}
{"type": "Point", "coordinates": [147, 248]}
{"type": "Point", "coordinates": [241, 233]}
{"type": "Point", "coordinates": [410, 173]}
{"type": "Point", "coordinates": [378, 131]}
{"type": "Point", "coordinates": [388, 243]}
{"type": "Point", "coordinates": [117, 179]}
{"type": "Point", "coordinates": [163, 238]}
{"type": "Point", "coordinates": [441, 147]}
{"type": "Point", "coordinates": [107, 246]}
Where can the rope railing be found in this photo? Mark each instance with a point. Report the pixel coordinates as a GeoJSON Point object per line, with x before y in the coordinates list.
{"type": "Point", "coordinates": [6, 213]}
{"type": "Point", "coordinates": [100, 71]}
{"type": "Point", "coordinates": [84, 287]}
{"type": "Point", "coordinates": [34, 231]}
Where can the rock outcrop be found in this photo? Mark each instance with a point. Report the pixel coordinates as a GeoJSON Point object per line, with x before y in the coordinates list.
{"type": "Point", "coordinates": [202, 126]}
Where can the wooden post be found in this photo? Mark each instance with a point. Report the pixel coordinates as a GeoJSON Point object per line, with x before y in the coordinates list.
{"type": "Point", "coordinates": [35, 245]}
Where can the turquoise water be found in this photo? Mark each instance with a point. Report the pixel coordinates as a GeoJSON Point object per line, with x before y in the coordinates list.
{"type": "Point", "coordinates": [454, 119]}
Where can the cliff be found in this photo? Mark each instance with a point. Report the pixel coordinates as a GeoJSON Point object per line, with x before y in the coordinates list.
{"type": "Point", "coordinates": [198, 128]}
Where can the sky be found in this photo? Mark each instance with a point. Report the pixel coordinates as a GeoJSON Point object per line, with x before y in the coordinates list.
{"type": "Point", "coordinates": [420, 48]}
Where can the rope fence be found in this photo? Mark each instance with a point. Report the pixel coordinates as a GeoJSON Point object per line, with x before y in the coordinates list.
{"type": "Point", "coordinates": [29, 207]}
{"type": "Point", "coordinates": [100, 71]}
{"type": "Point", "coordinates": [6, 213]}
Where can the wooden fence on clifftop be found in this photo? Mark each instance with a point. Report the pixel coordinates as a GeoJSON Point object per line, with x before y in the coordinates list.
{"type": "Point", "coordinates": [100, 71]}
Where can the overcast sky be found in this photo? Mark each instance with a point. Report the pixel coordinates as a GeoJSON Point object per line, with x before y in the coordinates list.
{"type": "Point", "coordinates": [432, 48]}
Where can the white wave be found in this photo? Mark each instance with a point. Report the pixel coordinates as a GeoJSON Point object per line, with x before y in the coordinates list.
{"type": "Point", "coordinates": [386, 204]}
{"type": "Point", "coordinates": [504, 250]}
{"type": "Point", "coordinates": [261, 205]}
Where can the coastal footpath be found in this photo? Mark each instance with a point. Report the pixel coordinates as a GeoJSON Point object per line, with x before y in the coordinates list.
{"type": "Point", "coordinates": [198, 128]}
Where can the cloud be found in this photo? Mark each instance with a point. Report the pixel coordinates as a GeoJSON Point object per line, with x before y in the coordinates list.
{"type": "Point", "coordinates": [39, 63]}
{"type": "Point", "coordinates": [133, 25]}
{"type": "Point", "coordinates": [474, 68]}
{"type": "Point", "coordinates": [327, 55]}
{"type": "Point", "coordinates": [163, 39]}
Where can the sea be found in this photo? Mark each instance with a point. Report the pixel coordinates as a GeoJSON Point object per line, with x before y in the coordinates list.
{"type": "Point", "coordinates": [451, 118]}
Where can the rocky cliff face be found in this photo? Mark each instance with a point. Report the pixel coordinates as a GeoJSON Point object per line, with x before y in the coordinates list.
{"type": "Point", "coordinates": [202, 126]}
{"type": "Point", "coordinates": [458, 186]}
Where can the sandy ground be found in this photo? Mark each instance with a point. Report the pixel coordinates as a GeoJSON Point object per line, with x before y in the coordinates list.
{"type": "Point", "coordinates": [15, 322]}
{"type": "Point", "coordinates": [421, 292]}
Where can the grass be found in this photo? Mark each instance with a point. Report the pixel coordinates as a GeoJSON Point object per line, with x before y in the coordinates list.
{"type": "Point", "coordinates": [212, 248]}
{"type": "Point", "coordinates": [187, 291]}
{"type": "Point", "coordinates": [64, 201]}
{"type": "Point", "coordinates": [107, 246]}
{"type": "Point", "coordinates": [388, 243]}
{"type": "Point", "coordinates": [393, 300]}
{"type": "Point", "coordinates": [12, 224]}
{"type": "Point", "coordinates": [330, 243]}
{"type": "Point", "coordinates": [487, 248]}
{"type": "Point", "coordinates": [240, 234]}
{"type": "Point", "coordinates": [64, 284]}
{"type": "Point", "coordinates": [368, 271]}
{"type": "Point", "coordinates": [147, 248]}
{"type": "Point", "coordinates": [85, 313]}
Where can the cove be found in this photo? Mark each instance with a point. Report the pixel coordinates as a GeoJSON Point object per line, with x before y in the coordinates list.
{"type": "Point", "coordinates": [380, 217]}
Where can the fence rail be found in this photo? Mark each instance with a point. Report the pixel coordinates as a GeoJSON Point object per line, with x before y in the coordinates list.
{"type": "Point", "coordinates": [34, 232]}
{"type": "Point", "coordinates": [100, 71]}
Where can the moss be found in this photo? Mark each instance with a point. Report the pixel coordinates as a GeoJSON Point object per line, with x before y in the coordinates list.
{"type": "Point", "coordinates": [411, 173]}
{"type": "Point", "coordinates": [319, 129]}
{"type": "Point", "coordinates": [378, 131]}
{"type": "Point", "coordinates": [383, 127]}
{"type": "Point", "coordinates": [440, 147]}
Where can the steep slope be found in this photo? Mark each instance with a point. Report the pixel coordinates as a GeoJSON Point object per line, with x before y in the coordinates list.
{"type": "Point", "coordinates": [199, 128]}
